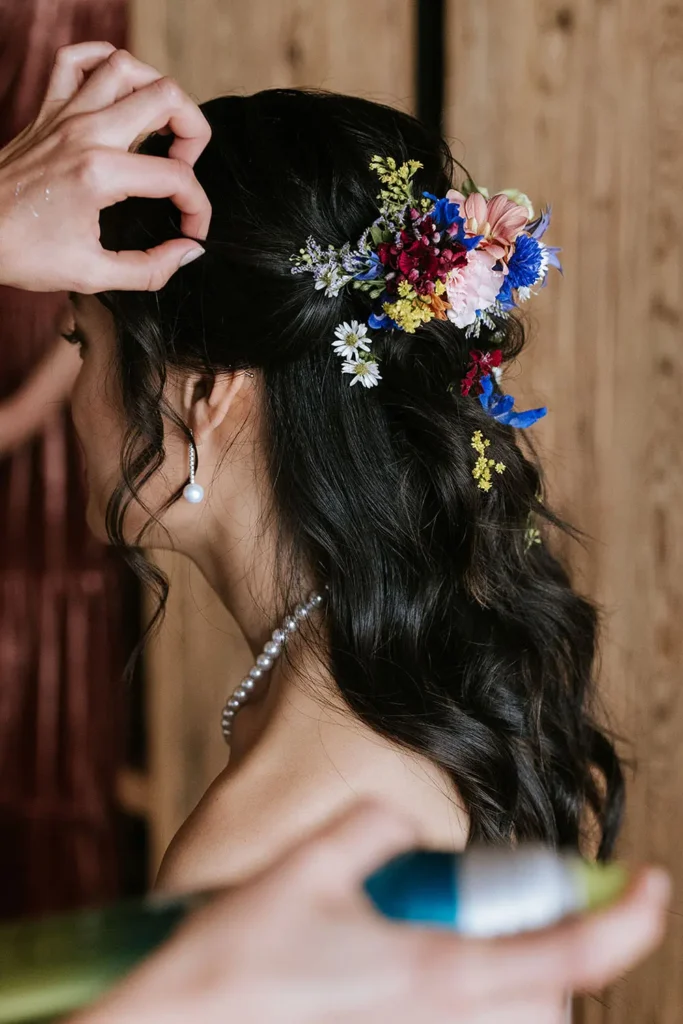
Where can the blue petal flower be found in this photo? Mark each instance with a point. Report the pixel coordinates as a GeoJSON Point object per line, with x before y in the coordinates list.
{"type": "Point", "coordinates": [470, 242]}
{"type": "Point", "coordinates": [500, 407]}
{"type": "Point", "coordinates": [373, 271]}
{"type": "Point", "coordinates": [504, 296]}
{"type": "Point", "coordinates": [538, 228]}
{"type": "Point", "coordinates": [526, 263]}
{"type": "Point", "coordinates": [553, 261]}
{"type": "Point", "coordinates": [522, 420]}
{"type": "Point", "coordinates": [444, 213]}
{"type": "Point", "coordinates": [381, 322]}
{"type": "Point", "coordinates": [446, 217]}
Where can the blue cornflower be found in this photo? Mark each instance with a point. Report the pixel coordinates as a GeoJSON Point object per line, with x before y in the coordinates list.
{"type": "Point", "coordinates": [526, 264]}
{"type": "Point", "coordinates": [500, 407]}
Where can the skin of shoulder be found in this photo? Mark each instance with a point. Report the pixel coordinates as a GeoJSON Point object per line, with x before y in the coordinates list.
{"type": "Point", "coordinates": [250, 817]}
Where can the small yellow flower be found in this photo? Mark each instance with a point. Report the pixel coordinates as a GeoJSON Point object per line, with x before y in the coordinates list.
{"type": "Point", "coordinates": [409, 313]}
{"type": "Point", "coordinates": [406, 290]}
{"type": "Point", "coordinates": [483, 466]}
{"type": "Point", "coordinates": [398, 180]}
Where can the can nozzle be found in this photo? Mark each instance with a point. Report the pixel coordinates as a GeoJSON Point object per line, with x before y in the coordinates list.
{"type": "Point", "coordinates": [600, 884]}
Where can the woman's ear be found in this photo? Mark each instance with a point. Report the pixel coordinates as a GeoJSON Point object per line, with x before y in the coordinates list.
{"type": "Point", "coordinates": [209, 400]}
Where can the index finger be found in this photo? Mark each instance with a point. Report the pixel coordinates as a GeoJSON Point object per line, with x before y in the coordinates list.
{"type": "Point", "coordinates": [70, 67]}
{"type": "Point", "coordinates": [160, 177]}
{"type": "Point", "coordinates": [158, 105]}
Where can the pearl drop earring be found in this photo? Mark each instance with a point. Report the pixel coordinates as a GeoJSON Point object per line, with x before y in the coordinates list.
{"type": "Point", "coordinates": [193, 492]}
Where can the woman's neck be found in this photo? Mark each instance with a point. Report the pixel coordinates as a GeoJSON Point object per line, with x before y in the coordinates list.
{"type": "Point", "coordinates": [295, 697]}
{"type": "Point", "coordinates": [238, 562]}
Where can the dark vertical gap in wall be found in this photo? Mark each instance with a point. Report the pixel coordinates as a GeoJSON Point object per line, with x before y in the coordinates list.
{"type": "Point", "coordinates": [431, 20]}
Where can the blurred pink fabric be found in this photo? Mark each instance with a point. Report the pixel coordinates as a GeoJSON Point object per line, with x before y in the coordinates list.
{"type": "Point", "coordinates": [61, 689]}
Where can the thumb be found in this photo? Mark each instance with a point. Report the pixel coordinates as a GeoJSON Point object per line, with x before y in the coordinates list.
{"type": "Point", "coordinates": [588, 951]}
{"type": "Point", "coordinates": [342, 854]}
{"type": "Point", "coordinates": [135, 271]}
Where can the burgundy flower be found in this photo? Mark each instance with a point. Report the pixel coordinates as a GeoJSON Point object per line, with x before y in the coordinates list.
{"type": "Point", "coordinates": [416, 256]}
{"type": "Point", "coordinates": [449, 259]}
{"type": "Point", "coordinates": [418, 261]}
{"type": "Point", "coordinates": [481, 365]}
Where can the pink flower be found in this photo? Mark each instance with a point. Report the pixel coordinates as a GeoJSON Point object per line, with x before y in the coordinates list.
{"type": "Point", "coordinates": [499, 220]}
{"type": "Point", "coordinates": [473, 287]}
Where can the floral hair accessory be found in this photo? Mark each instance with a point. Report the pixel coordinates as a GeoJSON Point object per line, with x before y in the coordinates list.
{"type": "Point", "coordinates": [483, 466]}
{"type": "Point", "coordinates": [364, 370]}
{"type": "Point", "coordinates": [532, 536]}
{"type": "Point", "coordinates": [500, 407]}
{"type": "Point", "coordinates": [463, 258]}
{"type": "Point", "coordinates": [481, 364]}
{"type": "Point", "coordinates": [350, 340]}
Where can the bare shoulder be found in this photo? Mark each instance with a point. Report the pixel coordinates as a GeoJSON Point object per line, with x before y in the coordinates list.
{"type": "Point", "coordinates": [220, 843]}
{"type": "Point", "coordinates": [248, 819]}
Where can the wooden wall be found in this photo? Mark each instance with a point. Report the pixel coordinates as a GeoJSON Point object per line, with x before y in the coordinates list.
{"type": "Point", "coordinates": [580, 102]}
{"type": "Point", "coordinates": [232, 46]}
{"type": "Point", "coordinates": [214, 47]}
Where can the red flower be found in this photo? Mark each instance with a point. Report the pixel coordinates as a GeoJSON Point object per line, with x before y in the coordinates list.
{"type": "Point", "coordinates": [418, 262]}
{"type": "Point", "coordinates": [481, 365]}
{"type": "Point", "coordinates": [417, 258]}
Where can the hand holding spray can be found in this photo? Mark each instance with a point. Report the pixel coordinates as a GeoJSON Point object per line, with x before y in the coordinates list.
{"type": "Point", "coordinates": [50, 968]}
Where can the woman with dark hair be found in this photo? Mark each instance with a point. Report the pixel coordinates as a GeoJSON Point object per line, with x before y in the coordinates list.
{"type": "Point", "coordinates": [419, 641]}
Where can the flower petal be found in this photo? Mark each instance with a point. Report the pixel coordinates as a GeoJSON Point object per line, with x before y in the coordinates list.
{"type": "Point", "coordinates": [506, 218]}
{"type": "Point", "coordinates": [521, 420]}
{"type": "Point", "coordinates": [475, 208]}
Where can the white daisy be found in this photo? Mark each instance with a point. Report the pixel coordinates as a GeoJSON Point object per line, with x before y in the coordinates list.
{"type": "Point", "coordinates": [351, 340]}
{"type": "Point", "coordinates": [367, 372]}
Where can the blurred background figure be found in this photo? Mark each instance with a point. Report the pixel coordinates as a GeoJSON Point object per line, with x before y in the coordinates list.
{"type": "Point", "coordinates": [61, 623]}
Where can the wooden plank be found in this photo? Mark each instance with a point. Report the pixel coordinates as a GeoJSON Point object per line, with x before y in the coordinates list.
{"type": "Point", "coordinates": [225, 46]}
{"type": "Point", "coordinates": [580, 102]}
{"type": "Point", "coordinates": [191, 665]}
{"type": "Point", "coordinates": [214, 47]}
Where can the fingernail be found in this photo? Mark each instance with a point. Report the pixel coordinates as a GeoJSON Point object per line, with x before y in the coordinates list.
{"type": "Point", "coordinates": [193, 254]}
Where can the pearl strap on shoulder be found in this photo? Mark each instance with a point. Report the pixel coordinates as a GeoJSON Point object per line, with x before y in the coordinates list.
{"type": "Point", "coordinates": [265, 661]}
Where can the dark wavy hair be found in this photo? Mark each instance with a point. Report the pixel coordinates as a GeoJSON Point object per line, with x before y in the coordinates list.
{"type": "Point", "coordinates": [448, 633]}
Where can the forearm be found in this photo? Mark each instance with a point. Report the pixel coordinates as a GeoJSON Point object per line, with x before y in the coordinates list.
{"type": "Point", "coordinates": [24, 413]}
